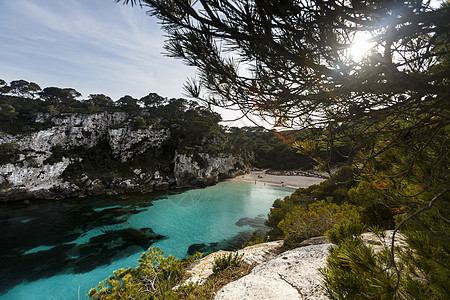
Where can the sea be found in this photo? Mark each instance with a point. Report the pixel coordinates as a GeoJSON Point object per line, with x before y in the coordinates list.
{"type": "Point", "coordinates": [62, 248]}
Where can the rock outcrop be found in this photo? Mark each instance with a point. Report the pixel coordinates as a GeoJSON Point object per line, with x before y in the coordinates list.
{"type": "Point", "coordinates": [98, 153]}
{"type": "Point", "coordinates": [204, 168]}
{"type": "Point", "coordinates": [293, 274]}
{"type": "Point", "coordinates": [251, 255]}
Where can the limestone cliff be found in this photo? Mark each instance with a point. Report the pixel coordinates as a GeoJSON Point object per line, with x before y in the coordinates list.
{"type": "Point", "coordinates": [98, 153]}
{"type": "Point", "coordinates": [203, 168]}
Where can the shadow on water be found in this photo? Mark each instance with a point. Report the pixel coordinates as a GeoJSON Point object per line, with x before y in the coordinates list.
{"type": "Point", "coordinates": [234, 243]}
{"type": "Point", "coordinates": [256, 222]}
{"type": "Point", "coordinates": [69, 236]}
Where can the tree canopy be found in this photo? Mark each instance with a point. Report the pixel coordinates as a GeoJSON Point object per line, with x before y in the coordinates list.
{"type": "Point", "coordinates": [293, 62]}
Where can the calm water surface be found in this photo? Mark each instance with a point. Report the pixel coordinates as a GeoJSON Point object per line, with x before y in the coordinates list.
{"type": "Point", "coordinates": [61, 249]}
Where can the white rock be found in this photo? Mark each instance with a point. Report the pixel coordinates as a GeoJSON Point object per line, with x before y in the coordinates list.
{"type": "Point", "coordinates": [35, 178]}
{"type": "Point", "coordinates": [251, 255]}
{"type": "Point", "coordinates": [291, 275]}
{"type": "Point", "coordinates": [213, 166]}
{"type": "Point", "coordinates": [126, 142]}
{"type": "Point", "coordinates": [254, 287]}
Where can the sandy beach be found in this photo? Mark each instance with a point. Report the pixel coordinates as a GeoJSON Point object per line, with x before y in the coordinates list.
{"type": "Point", "coordinates": [260, 177]}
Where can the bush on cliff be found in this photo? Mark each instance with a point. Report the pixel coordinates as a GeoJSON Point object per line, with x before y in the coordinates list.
{"type": "Point", "coordinates": [154, 278]}
{"type": "Point", "coordinates": [332, 192]}
{"type": "Point", "coordinates": [302, 223]}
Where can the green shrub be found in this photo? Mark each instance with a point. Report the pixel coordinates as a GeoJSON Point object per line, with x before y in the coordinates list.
{"type": "Point", "coordinates": [214, 283]}
{"type": "Point", "coordinates": [9, 153]}
{"type": "Point", "coordinates": [277, 213]}
{"type": "Point", "coordinates": [303, 223]}
{"type": "Point", "coordinates": [224, 262]}
{"type": "Point", "coordinates": [372, 196]}
{"type": "Point", "coordinates": [255, 238]}
{"type": "Point", "coordinates": [333, 190]}
{"type": "Point", "coordinates": [9, 146]}
{"type": "Point", "coordinates": [378, 214]}
{"type": "Point", "coordinates": [139, 123]}
{"type": "Point", "coordinates": [154, 278]}
{"type": "Point", "coordinates": [345, 230]}
{"type": "Point", "coordinates": [355, 271]}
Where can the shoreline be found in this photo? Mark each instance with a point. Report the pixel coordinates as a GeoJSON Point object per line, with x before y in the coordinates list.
{"type": "Point", "coordinates": [292, 181]}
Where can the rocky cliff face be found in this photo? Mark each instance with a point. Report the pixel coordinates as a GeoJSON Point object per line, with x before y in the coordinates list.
{"type": "Point", "coordinates": [203, 169]}
{"type": "Point", "coordinates": [92, 154]}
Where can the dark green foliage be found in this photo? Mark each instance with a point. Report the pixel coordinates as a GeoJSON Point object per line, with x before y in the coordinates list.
{"type": "Point", "coordinates": [378, 214]}
{"type": "Point", "coordinates": [61, 98]}
{"type": "Point", "coordinates": [272, 149]}
{"type": "Point", "coordinates": [255, 238]}
{"type": "Point", "coordinates": [9, 153]}
{"type": "Point", "coordinates": [127, 103]}
{"type": "Point", "coordinates": [334, 189]}
{"type": "Point", "coordinates": [95, 162]}
{"type": "Point", "coordinates": [99, 102]}
{"type": "Point", "coordinates": [354, 271]}
{"type": "Point", "coordinates": [428, 257]}
{"type": "Point", "coordinates": [224, 262]}
{"type": "Point", "coordinates": [344, 231]}
{"type": "Point", "coordinates": [154, 278]}
{"type": "Point", "coordinates": [152, 100]}
{"type": "Point", "coordinates": [279, 210]}
{"type": "Point", "coordinates": [139, 123]}
{"type": "Point", "coordinates": [18, 114]}
{"type": "Point", "coordinates": [302, 222]}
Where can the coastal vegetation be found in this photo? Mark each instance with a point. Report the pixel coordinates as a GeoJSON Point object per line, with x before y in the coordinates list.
{"type": "Point", "coordinates": [159, 277]}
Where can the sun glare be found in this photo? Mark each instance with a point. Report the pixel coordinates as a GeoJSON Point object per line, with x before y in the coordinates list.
{"type": "Point", "coordinates": [361, 45]}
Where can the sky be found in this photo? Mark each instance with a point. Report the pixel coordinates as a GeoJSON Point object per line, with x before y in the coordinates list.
{"type": "Point", "coordinates": [93, 46]}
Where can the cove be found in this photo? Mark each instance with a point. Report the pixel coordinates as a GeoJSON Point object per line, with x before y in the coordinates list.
{"type": "Point", "coordinates": [61, 249]}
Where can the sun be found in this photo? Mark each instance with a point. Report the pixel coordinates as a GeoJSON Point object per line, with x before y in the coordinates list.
{"type": "Point", "coordinates": [361, 45]}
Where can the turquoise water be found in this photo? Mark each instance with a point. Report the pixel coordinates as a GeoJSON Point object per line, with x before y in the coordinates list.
{"type": "Point", "coordinates": [61, 249]}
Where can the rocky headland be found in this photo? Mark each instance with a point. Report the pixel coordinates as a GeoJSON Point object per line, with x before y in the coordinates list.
{"type": "Point", "coordinates": [82, 154]}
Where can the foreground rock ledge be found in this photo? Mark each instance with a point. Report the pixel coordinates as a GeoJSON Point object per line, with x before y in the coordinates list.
{"type": "Point", "coordinates": [251, 255]}
{"type": "Point", "coordinates": [291, 275]}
